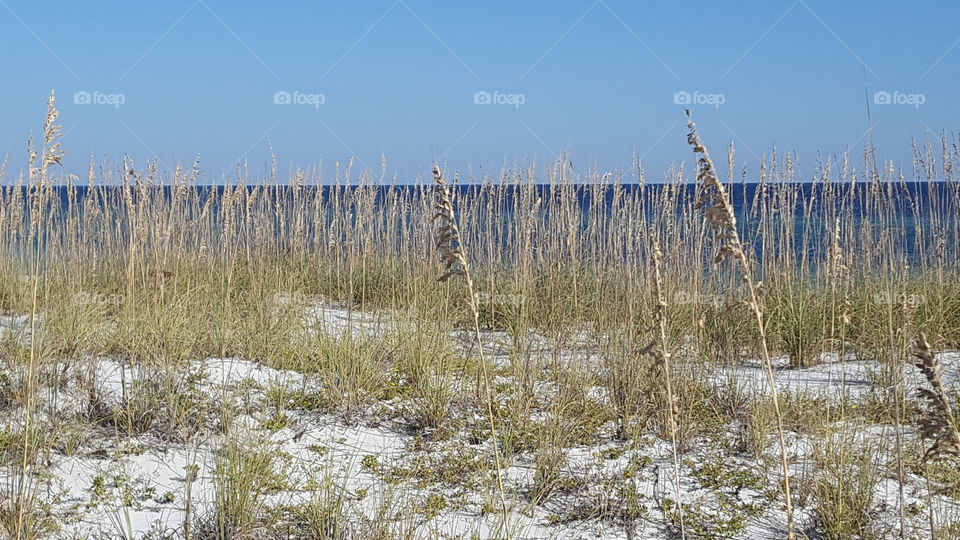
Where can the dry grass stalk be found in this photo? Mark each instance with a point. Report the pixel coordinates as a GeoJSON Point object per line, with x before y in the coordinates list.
{"type": "Point", "coordinates": [447, 233]}
{"type": "Point", "coordinates": [51, 153]}
{"type": "Point", "coordinates": [938, 422]}
{"type": "Point", "coordinates": [715, 203]}
{"type": "Point", "coordinates": [662, 356]}
{"type": "Point", "coordinates": [454, 260]}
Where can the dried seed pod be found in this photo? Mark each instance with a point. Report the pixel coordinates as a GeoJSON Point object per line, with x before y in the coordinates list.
{"type": "Point", "coordinates": [937, 423]}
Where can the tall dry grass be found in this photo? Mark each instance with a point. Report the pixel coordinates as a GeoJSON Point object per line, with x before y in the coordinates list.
{"type": "Point", "coordinates": [159, 270]}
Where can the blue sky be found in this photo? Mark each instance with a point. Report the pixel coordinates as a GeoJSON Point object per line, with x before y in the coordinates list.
{"type": "Point", "coordinates": [600, 79]}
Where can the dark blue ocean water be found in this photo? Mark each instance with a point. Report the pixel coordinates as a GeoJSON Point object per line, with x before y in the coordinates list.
{"type": "Point", "coordinates": [908, 207]}
{"type": "Point", "coordinates": [588, 195]}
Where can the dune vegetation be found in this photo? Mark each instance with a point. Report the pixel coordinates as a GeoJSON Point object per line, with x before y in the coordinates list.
{"type": "Point", "coordinates": [547, 353]}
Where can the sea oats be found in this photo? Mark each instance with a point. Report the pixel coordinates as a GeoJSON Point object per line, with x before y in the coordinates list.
{"type": "Point", "coordinates": [715, 203]}
{"type": "Point", "coordinates": [938, 423]}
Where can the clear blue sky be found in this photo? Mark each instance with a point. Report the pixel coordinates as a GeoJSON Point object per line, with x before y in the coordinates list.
{"type": "Point", "coordinates": [596, 78]}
